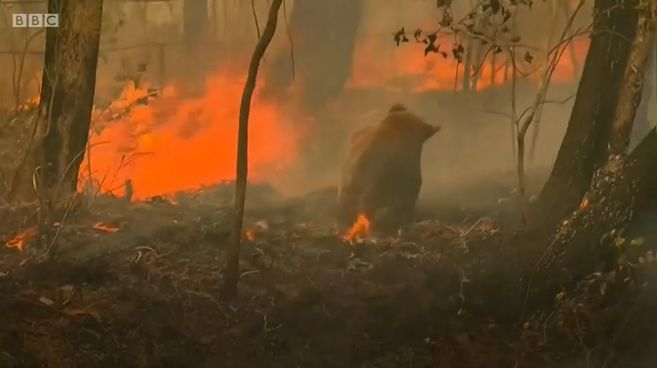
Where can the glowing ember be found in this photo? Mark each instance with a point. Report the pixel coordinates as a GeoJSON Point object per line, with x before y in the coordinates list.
{"type": "Point", "coordinates": [106, 228]}
{"type": "Point", "coordinates": [172, 143]}
{"type": "Point", "coordinates": [19, 241]}
{"type": "Point", "coordinates": [250, 234]}
{"type": "Point", "coordinates": [359, 230]}
{"type": "Point", "coordinates": [257, 230]}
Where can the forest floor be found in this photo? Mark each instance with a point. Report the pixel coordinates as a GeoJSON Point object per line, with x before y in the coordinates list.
{"type": "Point", "coordinates": [139, 285]}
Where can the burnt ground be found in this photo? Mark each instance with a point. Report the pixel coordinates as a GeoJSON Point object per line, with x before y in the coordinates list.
{"type": "Point", "coordinates": [139, 285]}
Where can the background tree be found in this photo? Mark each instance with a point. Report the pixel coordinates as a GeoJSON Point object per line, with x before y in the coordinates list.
{"type": "Point", "coordinates": [585, 144]}
{"type": "Point", "coordinates": [196, 23]}
{"type": "Point", "coordinates": [66, 101]}
{"type": "Point", "coordinates": [323, 36]}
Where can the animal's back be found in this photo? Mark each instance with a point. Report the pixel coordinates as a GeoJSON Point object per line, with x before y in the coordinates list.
{"type": "Point", "coordinates": [382, 172]}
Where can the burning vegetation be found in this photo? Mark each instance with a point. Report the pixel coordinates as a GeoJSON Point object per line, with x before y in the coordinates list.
{"type": "Point", "coordinates": [359, 230]}
{"type": "Point", "coordinates": [284, 184]}
{"type": "Point", "coordinates": [155, 136]}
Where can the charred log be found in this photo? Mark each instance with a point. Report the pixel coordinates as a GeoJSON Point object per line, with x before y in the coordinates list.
{"type": "Point", "coordinates": [585, 145]}
{"type": "Point", "coordinates": [66, 101]}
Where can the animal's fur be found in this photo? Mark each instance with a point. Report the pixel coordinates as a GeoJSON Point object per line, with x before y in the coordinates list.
{"type": "Point", "coordinates": [381, 177]}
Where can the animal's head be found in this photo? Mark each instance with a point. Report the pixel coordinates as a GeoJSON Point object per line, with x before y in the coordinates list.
{"type": "Point", "coordinates": [402, 120]}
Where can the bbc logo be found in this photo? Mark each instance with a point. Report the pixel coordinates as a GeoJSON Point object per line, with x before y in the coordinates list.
{"type": "Point", "coordinates": [37, 20]}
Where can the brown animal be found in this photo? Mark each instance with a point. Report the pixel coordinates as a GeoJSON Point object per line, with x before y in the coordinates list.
{"type": "Point", "coordinates": [382, 177]}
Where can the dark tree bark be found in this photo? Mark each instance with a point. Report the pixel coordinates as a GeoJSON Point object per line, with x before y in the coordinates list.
{"type": "Point", "coordinates": [642, 125]}
{"type": "Point", "coordinates": [633, 78]}
{"type": "Point", "coordinates": [323, 35]}
{"type": "Point", "coordinates": [66, 101]}
{"type": "Point", "coordinates": [584, 240]}
{"type": "Point", "coordinates": [585, 145]}
{"type": "Point", "coordinates": [232, 267]}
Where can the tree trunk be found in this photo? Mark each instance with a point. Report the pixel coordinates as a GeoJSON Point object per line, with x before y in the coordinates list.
{"type": "Point", "coordinates": [642, 123]}
{"type": "Point", "coordinates": [467, 66]}
{"type": "Point", "coordinates": [66, 101]}
{"type": "Point", "coordinates": [324, 35]}
{"type": "Point", "coordinates": [232, 268]}
{"type": "Point", "coordinates": [584, 241]}
{"type": "Point", "coordinates": [631, 90]}
{"type": "Point", "coordinates": [195, 23]}
{"type": "Point", "coordinates": [584, 147]}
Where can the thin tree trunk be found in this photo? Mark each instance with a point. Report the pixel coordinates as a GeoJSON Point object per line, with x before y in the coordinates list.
{"type": "Point", "coordinates": [493, 69]}
{"type": "Point", "coordinates": [630, 94]}
{"type": "Point", "coordinates": [585, 145]}
{"type": "Point", "coordinates": [467, 66]}
{"type": "Point", "coordinates": [552, 18]}
{"type": "Point", "coordinates": [66, 101]}
{"type": "Point", "coordinates": [232, 268]}
{"type": "Point", "coordinates": [324, 35]}
{"type": "Point", "coordinates": [474, 82]}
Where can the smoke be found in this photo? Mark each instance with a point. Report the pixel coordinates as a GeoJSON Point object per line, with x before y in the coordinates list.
{"type": "Point", "coordinates": [476, 141]}
{"type": "Point", "coordinates": [345, 78]}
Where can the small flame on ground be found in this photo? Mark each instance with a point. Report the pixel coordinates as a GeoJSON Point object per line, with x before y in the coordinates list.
{"type": "Point", "coordinates": [257, 230]}
{"type": "Point", "coordinates": [106, 228]}
{"type": "Point", "coordinates": [19, 241]}
{"type": "Point", "coordinates": [359, 230]}
{"type": "Point", "coordinates": [250, 234]}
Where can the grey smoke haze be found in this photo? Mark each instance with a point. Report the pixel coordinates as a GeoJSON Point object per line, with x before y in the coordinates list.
{"type": "Point", "coordinates": [475, 141]}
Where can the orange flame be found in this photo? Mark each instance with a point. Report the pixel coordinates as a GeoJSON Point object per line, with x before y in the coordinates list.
{"type": "Point", "coordinates": [19, 241]}
{"type": "Point", "coordinates": [407, 67]}
{"type": "Point", "coordinates": [172, 143]}
{"type": "Point", "coordinates": [359, 230]}
{"type": "Point", "coordinates": [250, 234]}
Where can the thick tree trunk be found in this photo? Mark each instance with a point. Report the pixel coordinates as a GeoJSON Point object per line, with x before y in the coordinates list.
{"type": "Point", "coordinates": [467, 66]}
{"type": "Point", "coordinates": [66, 101]}
{"type": "Point", "coordinates": [195, 23]}
{"type": "Point", "coordinates": [643, 123]}
{"type": "Point", "coordinates": [584, 241]}
{"type": "Point", "coordinates": [324, 34]}
{"type": "Point", "coordinates": [584, 147]}
{"type": "Point", "coordinates": [233, 260]}
{"type": "Point", "coordinates": [632, 87]}
{"type": "Point", "coordinates": [199, 58]}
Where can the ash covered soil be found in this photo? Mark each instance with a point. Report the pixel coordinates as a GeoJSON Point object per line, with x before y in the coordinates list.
{"type": "Point", "coordinates": [139, 285]}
